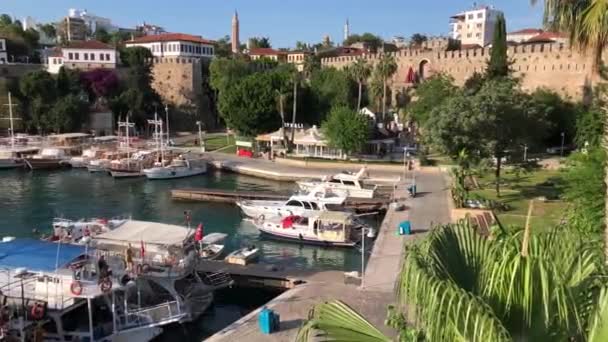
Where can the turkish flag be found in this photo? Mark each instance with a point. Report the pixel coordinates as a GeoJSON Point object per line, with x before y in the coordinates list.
{"type": "Point", "coordinates": [198, 235]}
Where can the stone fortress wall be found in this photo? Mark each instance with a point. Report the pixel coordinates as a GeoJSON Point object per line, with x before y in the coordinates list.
{"type": "Point", "coordinates": [551, 65]}
{"type": "Point", "coordinates": [178, 80]}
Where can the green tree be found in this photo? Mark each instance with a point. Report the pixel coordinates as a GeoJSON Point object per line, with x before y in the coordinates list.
{"type": "Point", "coordinates": [5, 20]}
{"type": "Point", "coordinates": [223, 47]}
{"type": "Point", "coordinates": [560, 115]}
{"type": "Point", "coordinates": [224, 72]}
{"type": "Point", "coordinates": [584, 190]}
{"type": "Point", "coordinates": [301, 46]}
{"type": "Point", "coordinates": [330, 88]}
{"type": "Point", "coordinates": [68, 82]}
{"type": "Point", "coordinates": [417, 40]}
{"type": "Point", "coordinates": [590, 127]}
{"type": "Point", "coordinates": [474, 83]}
{"type": "Point", "coordinates": [498, 65]}
{"type": "Point", "coordinates": [249, 105]}
{"type": "Point", "coordinates": [68, 114]}
{"type": "Point", "coordinates": [346, 130]}
{"type": "Point", "coordinates": [461, 286]}
{"type": "Point", "coordinates": [360, 71]}
{"type": "Point", "coordinates": [370, 40]}
{"type": "Point", "coordinates": [38, 84]}
{"type": "Point", "coordinates": [49, 30]}
{"type": "Point", "coordinates": [385, 68]}
{"type": "Point", "coordinates": [430, 94]}
{"type": "Point", "coordinates": [312, 63]}
{"type": "Point", "coordinates": [102, 35]}
{"type": "Point", "coordinates": [259, 42]}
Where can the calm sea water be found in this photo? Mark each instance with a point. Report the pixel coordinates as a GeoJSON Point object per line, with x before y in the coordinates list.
{"type": "Point", "coordinates": [31, 200]}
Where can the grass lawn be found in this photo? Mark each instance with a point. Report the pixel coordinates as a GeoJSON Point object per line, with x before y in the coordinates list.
{"type": "Point", "coordinates": [517, 192]}
{"type": "Point", "coordinates": [217, 142]}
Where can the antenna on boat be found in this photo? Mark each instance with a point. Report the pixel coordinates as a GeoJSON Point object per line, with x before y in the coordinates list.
{"type": "Point", "coordinates": [10, 105]}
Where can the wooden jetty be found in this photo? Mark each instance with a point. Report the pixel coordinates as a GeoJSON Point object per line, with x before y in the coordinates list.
{"type": "Point", "coordinates": [231, 196]}
{"type": "Point", "coordinates": [253, 275]}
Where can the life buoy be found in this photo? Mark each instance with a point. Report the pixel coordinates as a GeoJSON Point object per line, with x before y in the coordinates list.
{"type": "Point", "coordinates": [105, 285]}
{"type": "Point", "coordinates": [76, 288]}
{"type": "Point", "coordinates": [38, 311]}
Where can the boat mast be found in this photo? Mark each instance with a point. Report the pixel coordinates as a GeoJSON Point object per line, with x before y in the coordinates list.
{"type": "Point", "coordinates": [10, 118]}
{"type": "Point", "coordinates": [167, 120]}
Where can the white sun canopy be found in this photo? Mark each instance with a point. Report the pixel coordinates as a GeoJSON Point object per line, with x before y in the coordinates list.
{"type": "Point", "coordinates": [151, 233]}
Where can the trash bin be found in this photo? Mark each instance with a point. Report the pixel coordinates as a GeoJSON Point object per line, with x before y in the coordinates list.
{"type": "Point", "coordinates": [269, 321]}
{"type": "Point", "coordinates": [405, 228]}
{"type": "Point", "coordinates": [265, 321]}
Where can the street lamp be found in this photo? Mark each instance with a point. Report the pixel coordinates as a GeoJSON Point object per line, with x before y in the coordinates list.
{"type": "Point", "coordinates": [563, 138]}
{"type": "Point", "coordinates": [525, 153]}
{"type": "Point", "coordinates": [200, 136]}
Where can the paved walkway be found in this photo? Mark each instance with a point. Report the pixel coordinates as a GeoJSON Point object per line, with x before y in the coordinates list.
{"type": "Point", "coordinates": [430, 206]}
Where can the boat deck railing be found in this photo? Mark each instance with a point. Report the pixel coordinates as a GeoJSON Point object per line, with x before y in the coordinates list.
{"type": "Point", "coordinates": [160, 314]}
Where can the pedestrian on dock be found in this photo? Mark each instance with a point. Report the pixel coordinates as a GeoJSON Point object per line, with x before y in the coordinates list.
{"type": "Point", "coordinates": [198, 236]}
{"type": "Point", "coordinates": [129, 257]}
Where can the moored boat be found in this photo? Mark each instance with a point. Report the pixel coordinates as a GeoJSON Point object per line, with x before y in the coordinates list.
{"type": "Point", "coordinates": [178, 168]}
{"type": "Point", "coordinates": [48, 158]}
{"type": "Point", "coordinates": [346, 184]}
{"type": "Point", "coordinates": [212, 246]}
{"type": "Point", "coordinates": [13, 157]}
{"type": "Point", "coordinates": [243, 256]}
{"type": "Point", "coordinates": [308, 203]}
{"type": "Point", "coordinates": [329, 228]}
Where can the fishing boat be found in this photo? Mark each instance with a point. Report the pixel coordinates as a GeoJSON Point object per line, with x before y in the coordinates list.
{"type": "Point", "coordinates": [347, 184]}
{"type": "Point", "coordinates": [69, 292]}
{"type": "Point", "coordinates": [212, 246]}
{"type": "Point", "coordinates": [48, 158]}
{"type": "Point", "coordinates": [329, 228]}
{"type": "Point", "coordinates": [178, 168]}
{"type": "Point", "coordinates": [12, 157]}
{"type": "Point", "coordinates": [307, 203]}
{"type": "Point", "coordinates": [132, 166]}
{"type": "Point", "coordinates": [243, 256]}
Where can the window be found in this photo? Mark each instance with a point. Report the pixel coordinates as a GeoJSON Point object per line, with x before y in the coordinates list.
{"type": "Point", "coordinates": [293, 203]}
{"type": "Point", "coordinates": [479, 25]}
{"type": "Point", "coordinates": [480, 15]}
{"type": "Point", "coordinates": [314, 206]}
{"type": "Point", "coordinates": [459, 27]}
{"type": "Point", "coordinates": [101, 56]}
{"type": "Point", "coordinates": [1, 45]}
{"type": "Point", "coordinates": [86, 56]}
{"type": "Point", "coordinates": [76, 56]}
{"type": "Point", "coordinates": [307, 205]}
{"type": "Point", "coordinates": [211, 51]}
{"type": "Point", "coordinates": [336, 181]}
{"type": "Point", "coordinates": [181, 48]}
{"type": "Point", "coordinates": [469, 35]}
{"type": "Point", "coordinates": [478, 35]}
{"type": "Point", "coordinates": [107, 56]}
{"type": "Point", "coordinates": [92, 56]}
{"type": "Point", "coordinates": [349, 183]}
{"type": "Point", "coordinates": [70, 56]}
{"type": "Point", "coordinates": [471, 16]}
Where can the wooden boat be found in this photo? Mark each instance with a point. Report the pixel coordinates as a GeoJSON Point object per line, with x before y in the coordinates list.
{"type": "Point", "coordinates": [134, 166]}
{"type": "Point", "coordinates": [48, 158]}
{"type": "Point", "coordinates": [243, 256]}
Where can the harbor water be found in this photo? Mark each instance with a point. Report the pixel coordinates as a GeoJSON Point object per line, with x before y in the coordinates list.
{"type": "Point", "coordinates": [30, 200]}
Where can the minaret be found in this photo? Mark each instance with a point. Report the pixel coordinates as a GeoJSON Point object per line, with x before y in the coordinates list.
{"type": "Point", "coordinates": [235, 33]}
{"type": "Point", "coordinates": [346, 30]}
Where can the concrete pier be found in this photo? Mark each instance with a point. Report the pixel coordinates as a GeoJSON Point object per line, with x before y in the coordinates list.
{"type": "Point", "coordinates": [430, 206]}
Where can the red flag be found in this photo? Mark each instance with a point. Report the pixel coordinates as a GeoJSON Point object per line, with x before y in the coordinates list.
{"type": "Point", "coordinates": [198, 235]}
{"type": "Point", "coordinates": [143, 250]}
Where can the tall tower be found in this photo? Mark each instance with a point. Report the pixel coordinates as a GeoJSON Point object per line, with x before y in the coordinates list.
{"type": "Point", "coordinates": [235, 33]}
{"type": "Point", "coordinates": [346, 30]}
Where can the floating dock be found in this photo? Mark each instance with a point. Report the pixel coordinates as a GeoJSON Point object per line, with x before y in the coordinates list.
{"type": "Point", "coordinates": [253, 275]}
{"type": "Point", "coordinates": [231, 196]}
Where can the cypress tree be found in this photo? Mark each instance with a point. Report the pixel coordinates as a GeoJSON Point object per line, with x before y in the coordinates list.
{"type": "Point", "coordinates": [498, 66]}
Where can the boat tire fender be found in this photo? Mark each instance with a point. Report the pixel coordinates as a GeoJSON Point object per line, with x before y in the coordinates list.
{"type": "Point", "coordinates": [76, 288]}
{"type": "Point", "coordinates": [38, 311]}
{"type": "Point", "coordinates": [105, 285]}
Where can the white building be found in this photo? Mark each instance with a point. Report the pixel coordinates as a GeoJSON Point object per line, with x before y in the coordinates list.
{"type": "Point", "coordinates": [475, 26]}
{"type": "Point", "coordinates": [85, 55]}
{"type": "Point", "coordinates": [3, 54]}
{"type": "Point", "coordinates": [92, 21]}
{"type": "Point", "coordinates": [175, 45]}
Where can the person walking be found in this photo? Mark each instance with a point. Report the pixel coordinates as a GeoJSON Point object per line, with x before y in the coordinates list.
{"type": "Point", "coordinates": [129, 257]}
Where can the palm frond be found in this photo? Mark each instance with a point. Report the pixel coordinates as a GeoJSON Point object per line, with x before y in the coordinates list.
{"type": "Point", "coordinates": [598, 329]}
{"type": "Point", "coordinates": [336, 321]}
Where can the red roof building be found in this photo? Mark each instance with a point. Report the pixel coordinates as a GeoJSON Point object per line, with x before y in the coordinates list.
{"type": "Point", "coordinates": [549, 37]}
{"type": "Point", "coordinates": [82, 55]}
{"type": "Point", "coordinates": [524, 35]}
{"type": "Point", "coordinates": [175, 45]}
{"type": "Point", "coordinates": [270, 53]}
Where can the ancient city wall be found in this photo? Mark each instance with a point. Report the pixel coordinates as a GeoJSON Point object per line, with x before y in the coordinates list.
{"type": "Point", "coordinates": [178, 80]}
{"type": "Point", "coordinates": [553, 66]}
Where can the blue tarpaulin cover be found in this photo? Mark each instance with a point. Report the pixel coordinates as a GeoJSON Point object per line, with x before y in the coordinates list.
{"type": "Point", "coordinates": [36, 255]}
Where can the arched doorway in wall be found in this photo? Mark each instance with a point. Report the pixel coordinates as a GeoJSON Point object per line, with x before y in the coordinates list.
{"type": "Point", "coordinates": [424, 69]}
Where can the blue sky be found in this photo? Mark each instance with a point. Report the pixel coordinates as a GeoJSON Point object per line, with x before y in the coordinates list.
{"type": "Point", "coordinates": [284, 21]}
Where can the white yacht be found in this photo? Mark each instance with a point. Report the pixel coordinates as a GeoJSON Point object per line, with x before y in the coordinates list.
{"type": "Point", "coordinates": [308, 203]}
{"type": "Point", "coordinates": [329, 228]}
{"type": "Point", "coordinates": [178, 168]}
{"type": "Point", "coordinates": [346, 184]}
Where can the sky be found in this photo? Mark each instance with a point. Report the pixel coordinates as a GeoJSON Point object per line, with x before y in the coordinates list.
{"type": "Point", "coordinates": [283, 21]}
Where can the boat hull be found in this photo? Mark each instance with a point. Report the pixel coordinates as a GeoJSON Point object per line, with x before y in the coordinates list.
{"type": "Point", "coordinates": [10, 163]}
{"type": "Point", "coordinates": [271, 208]}
{"type": "Point", "coordinates": [165, 173]}
{"type": "Point", "coordinates": [45, 164]}
{"type": "Point", "coordinates": [304, 240]}
{"type": "Point", "coordinates": [126, 174]}
{"type": "Point", "coordinates": [346, 192]}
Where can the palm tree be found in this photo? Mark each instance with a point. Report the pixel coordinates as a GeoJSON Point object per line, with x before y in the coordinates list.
{"type": "Point", "coordinates": [386, 68]}
{"type": "Point", "coordinates": [360, 71]}
{"type": "Point", "coordinates": [587, 23]}
{"type": "Point", "coordinates": [585, 20]}
{"type": "Point", "coordinates": [461, 286]}
{"type": "Point", "coordinates": [297, 80]}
